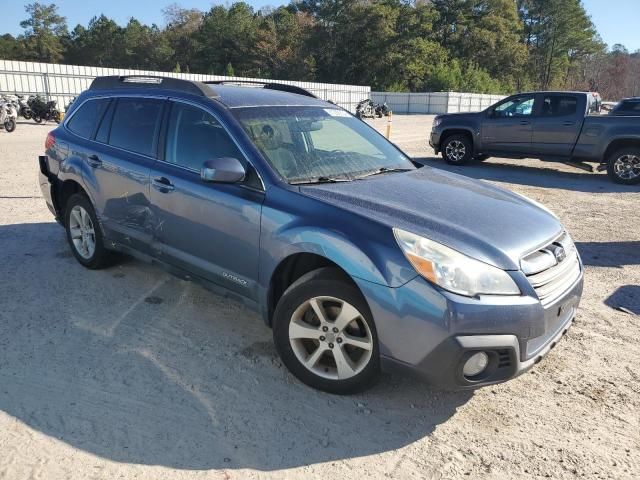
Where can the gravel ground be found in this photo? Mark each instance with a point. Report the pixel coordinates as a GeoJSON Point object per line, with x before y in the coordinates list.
{"type": "Point", "coordinates": [131, 373]}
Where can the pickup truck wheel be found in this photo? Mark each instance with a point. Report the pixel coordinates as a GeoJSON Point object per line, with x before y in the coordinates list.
{"type": "Point", "coordinates": [84, 235]}
{"type": "Point", "coordinates": [623, 166]}
{"type": "Point", "coordinates": [457, 150]}
{"type": "Point", "coordinates": [325, 335]}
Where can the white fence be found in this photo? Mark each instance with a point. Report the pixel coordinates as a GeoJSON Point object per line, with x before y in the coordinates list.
{"type": "Point", "coordinates": [62, 82]}
{"type": "Point", "coordinates": [435, 102]}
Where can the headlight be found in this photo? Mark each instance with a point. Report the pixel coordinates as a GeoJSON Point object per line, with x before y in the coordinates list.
{"type": "Point", "coordinates": [453, 270]}
{"type": "Point", "coordinates": [436, 121]}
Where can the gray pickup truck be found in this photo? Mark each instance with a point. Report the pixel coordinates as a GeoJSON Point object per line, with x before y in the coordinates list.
{"type": "Point", "coordinates": [553, 126]}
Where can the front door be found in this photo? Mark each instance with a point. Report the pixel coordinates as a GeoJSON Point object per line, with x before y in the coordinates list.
{"type": "Point", "coordinates": [509, 127]}
{"type": "Point", "coordinates": [211, 230]}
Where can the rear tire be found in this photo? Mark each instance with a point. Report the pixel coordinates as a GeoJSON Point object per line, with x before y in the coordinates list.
{"type": "Point", "coordinates": [457, 150]}
{"type": "Point", "coordinates": [84, 234]}
{"type": "Point", "coordinates": [324, 333]}
{"type": "Point", "coordinates": [623, 166]}
{"type": "Point", "coordinates": [37, 118]}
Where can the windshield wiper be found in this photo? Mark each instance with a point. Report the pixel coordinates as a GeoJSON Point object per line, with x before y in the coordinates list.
{"type": "Point", "coordinates": [383, 170]}
{"type": "Point", "coordinates": [320, 180]}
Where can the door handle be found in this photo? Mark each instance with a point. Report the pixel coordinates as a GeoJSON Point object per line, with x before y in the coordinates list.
{"type": "Point", "coordinates": [524, 122]}
{"type": "Point", "coordinates": [163, 184]}
{"type": "Point", "coordinates": [568, 124]}
{"type": "Point", "coordinates": [94, 160]}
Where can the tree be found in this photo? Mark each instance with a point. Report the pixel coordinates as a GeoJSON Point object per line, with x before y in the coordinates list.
{"type": "Point", "coordinates": [44, 31]}
{"type": "Point", "coordinates": [10, 48]}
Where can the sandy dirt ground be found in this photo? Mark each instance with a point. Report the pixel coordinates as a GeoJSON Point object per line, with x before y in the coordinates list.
{"type": "Point", "coordinates": [131, 373]}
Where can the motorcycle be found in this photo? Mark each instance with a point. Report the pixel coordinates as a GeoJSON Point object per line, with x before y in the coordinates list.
{"type": "Point", "coordinates": [382, 110]}
{"type": "Point", "coordinates": [44, 111]}
{"type": "Point", "coordinates": [8, 116]}
{"type": "Point", "coordinates": [23, 108]}
{"type": "Point", "coordinates": [365, 109]}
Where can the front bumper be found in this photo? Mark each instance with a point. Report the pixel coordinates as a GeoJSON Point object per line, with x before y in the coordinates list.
{"type": "Point", "coordinates": [430, 333]}
{"type": "Point", "coordinates": [434, 141]}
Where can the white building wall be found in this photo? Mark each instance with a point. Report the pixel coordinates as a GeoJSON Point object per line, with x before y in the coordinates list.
{"type": "Point", "coordinates": [62, 82]}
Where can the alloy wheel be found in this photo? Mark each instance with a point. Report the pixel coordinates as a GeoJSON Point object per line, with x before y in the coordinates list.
{"type": "Point", "coordinates": [82, 232]}
{"type": "Point", "coordinates": [455, 150]}
{"type": "Point", "coordinates": [331, 338]}
{"type": "Point", "coordinates": [627, 167]}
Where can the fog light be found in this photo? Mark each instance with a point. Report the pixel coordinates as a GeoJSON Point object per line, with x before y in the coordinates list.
{"type": "Point", "coordinates": [476, 364]}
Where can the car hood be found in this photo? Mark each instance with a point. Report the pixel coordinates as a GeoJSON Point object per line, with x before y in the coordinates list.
{"type": "Point", "coordinates": [485, 222]}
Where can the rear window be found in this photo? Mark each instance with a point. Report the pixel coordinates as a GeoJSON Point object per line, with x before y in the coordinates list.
{"type": "Point", "coordinates": [86, 118]}
{"type": "Point", "coordinates": [135, 125]}
{"type": "Point", "coordinates": [629, 106]}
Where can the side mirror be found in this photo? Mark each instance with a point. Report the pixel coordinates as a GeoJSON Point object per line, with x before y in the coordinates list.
{"type": "Point", "coordinates": [223, 170]}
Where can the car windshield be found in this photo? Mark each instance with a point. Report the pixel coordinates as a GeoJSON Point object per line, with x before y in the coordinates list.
{"type": "Point", "coordinates": [319, 144]}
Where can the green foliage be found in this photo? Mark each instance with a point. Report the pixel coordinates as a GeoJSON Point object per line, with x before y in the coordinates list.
{"type": "Point", "coordinates": [488, 46]}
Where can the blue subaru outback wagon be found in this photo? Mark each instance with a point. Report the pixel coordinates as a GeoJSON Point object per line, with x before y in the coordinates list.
{"type": "Point", "coordinates": [355, 256]}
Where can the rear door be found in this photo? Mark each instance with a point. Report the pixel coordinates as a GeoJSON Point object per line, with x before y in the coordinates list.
{"type": "Point", "coordinates": [508, 127]}
{"type": "Point", "coordinates": [558, 123]}
{"type": "Point", "coordinates": [124, 150]}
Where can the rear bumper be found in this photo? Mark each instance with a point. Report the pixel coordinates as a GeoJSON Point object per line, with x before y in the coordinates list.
{"type": "Point", "coordinates": [46, 181]}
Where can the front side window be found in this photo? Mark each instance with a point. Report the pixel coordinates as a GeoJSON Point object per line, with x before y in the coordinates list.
{"type": "Point", "coordinates": [195, 136]}
{"type": "Point", "coordinates": [84, 121]}
{"type": "Point", "coordinates": [559, 106]}
{"type": "Point", "coordinates": [307, 144]}
{"type": "Point", "coordinates": [135, 124]}
{"type": "Point", "coordinates": [516, 107]}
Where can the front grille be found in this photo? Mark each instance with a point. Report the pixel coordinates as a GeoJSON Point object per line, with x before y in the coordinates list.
{"type": "Point", "coordinates": [553, 269]}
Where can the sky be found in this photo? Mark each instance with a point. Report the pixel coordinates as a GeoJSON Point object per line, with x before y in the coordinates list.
{"type": "Point", "coordinates": [615, 20]}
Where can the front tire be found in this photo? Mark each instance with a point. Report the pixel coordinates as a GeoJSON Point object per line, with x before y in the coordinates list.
{"type": "Point", "coordinates": [324, 333]}
{"type": "Point", "coordinates": [84, 234]}
{"type": "Point", "coordinates": [37, 118]}
{"type": "Point", "coordinates": [10, 125]}
{"type": "Point", "coordinates": [623, 166]}
{"type": "Point", "coordinates": [457, 150]}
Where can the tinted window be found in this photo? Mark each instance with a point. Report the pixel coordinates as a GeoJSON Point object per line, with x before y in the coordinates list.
{"type": "Point", "coordinates": [194, 136]}
{"type": "Point", "coordinates": [102, 135]}
{"type": "Point", "coordinates": [516, 107]}
{"type": "Point", "coordinates": [135, 124]}
{"type": "Point", "coordinates": [629, 106]}
{"type": "Point", "coordinates": [84, 121]}
{"type": "Point", "coordinates": [559, 106]}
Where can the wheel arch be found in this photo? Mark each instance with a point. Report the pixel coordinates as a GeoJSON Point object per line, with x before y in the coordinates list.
{"type": "Point", "coordinates": [619, 143]}
{"type": "Point", "coordinates": [448, 132]}
{"type": "Point", "coordinates": [293, 267]}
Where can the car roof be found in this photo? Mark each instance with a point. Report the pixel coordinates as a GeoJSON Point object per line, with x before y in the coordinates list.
{"type": "Point", "coordinates": [234, 96]}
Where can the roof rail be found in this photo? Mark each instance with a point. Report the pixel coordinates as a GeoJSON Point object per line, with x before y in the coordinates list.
{"type": "Point", "coordinates": [149, 81]}
{"type": "Point", "coordinates": [283, 87]}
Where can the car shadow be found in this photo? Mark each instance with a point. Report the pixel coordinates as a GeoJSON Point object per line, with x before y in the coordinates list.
{"type": "Point", "coordinates": [509, 171]}
{"type": "Point", "coordinates": [626, 297]}
{"type": "Point", "coordinates": [609, 254]}
{"type": "Point", "coordinates": [134, 365]}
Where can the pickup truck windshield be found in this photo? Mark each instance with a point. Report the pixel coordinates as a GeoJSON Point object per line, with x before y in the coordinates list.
{"type": "Point", "coordinates": [317, 144]}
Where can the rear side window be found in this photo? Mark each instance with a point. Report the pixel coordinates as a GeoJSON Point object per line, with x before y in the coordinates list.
{"type": "Point", "coordinates": [559, 106]}
{"type": "Point", "coordinates": [86, 118]}
{"type": "Point", "coordinates": [135, 124]}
